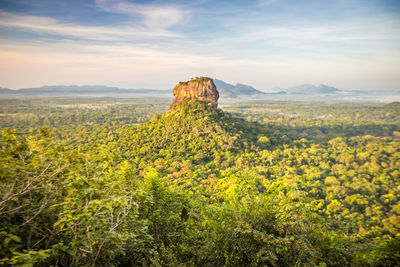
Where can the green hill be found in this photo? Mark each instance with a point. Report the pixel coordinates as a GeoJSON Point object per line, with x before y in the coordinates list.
{"type": "Point", "coordinates": [190, 142]}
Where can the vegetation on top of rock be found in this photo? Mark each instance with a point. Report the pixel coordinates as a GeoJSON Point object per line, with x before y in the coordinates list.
{"type": "Point", "coordinates": [200, 79]}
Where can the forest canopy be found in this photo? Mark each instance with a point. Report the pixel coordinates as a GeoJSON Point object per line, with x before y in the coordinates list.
{"type": "Point", "coordinates": [118, 182]}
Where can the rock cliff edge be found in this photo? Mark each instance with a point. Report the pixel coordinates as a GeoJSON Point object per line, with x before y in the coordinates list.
{"type": "Point", "coordinates": [202, 89]}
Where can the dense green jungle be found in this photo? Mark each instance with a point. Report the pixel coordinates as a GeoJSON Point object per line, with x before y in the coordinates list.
{"type": "Point", "coordinates": [123, 182]}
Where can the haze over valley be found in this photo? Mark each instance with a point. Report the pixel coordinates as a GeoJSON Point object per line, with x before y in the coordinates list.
{"type": "Point", "coordinates": [228, 92]}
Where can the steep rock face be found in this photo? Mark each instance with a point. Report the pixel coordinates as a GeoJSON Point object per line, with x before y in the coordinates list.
{"type": "Point", "coordinates": [202, 89]}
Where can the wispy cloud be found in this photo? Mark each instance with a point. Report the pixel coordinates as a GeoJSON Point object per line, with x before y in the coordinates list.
{"type": "Point", "coordinates": [127, 66]}
{"type": "Point", "coordinates": [117, 64]}
{"type": "Point", "coordinates": [367, 36]}
{"type": "Point", "coordinates": [265, 2]}
{"type": "Point", "coordinates": [125, 32]}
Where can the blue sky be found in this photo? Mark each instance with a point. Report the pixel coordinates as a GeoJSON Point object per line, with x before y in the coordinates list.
{"type": "Point", "coordinates": [349, 44]}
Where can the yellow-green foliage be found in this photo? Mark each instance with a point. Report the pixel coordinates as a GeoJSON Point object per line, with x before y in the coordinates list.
{"type": "Point", "coordinates": [197, 186]}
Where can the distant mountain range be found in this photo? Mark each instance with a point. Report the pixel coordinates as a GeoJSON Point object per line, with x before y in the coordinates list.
{"type": "Point", "coordinates": [79, 90]}
{"type": "Point", "coordinates": [239, 90]}
{"type": "Point", "coordinates": [225, 89]}
{"type": "Point", "coordinates": [309, 89]}
{"type": "Point", "coordinates": [230, 90]}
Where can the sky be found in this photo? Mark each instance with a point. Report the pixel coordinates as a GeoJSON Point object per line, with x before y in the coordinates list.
{"type": "Point", "coordinates": [349, 44]}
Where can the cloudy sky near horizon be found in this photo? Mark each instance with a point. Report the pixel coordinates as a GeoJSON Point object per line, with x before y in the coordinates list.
{"type": "Point", "coordinates": [350, 44]}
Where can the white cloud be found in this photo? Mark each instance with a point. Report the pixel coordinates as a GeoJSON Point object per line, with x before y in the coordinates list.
{"type": "Point", "coordinates": [153, 16]}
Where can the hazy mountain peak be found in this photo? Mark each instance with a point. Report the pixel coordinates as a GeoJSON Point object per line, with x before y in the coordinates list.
{"type": "Point", "coordinates": [312, 89]}
{"type": "Point", "coordinates": [237, 90]}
